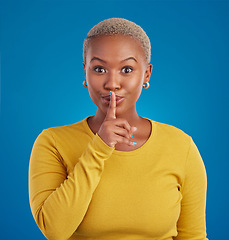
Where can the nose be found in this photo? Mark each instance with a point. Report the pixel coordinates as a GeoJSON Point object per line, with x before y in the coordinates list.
{"type": "Point", "coordinates": [112, 82]}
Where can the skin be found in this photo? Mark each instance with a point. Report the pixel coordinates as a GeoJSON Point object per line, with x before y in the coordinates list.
{"type": "Point", "coordinates": [117, 64]}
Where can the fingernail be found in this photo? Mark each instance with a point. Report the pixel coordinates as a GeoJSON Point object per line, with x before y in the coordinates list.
{"type": "Point", "coordinates": [134, 143]}
{"type": "Point", "coordinates": [110, 93]}
{"type": "Point", "coordinates": [131, 134]}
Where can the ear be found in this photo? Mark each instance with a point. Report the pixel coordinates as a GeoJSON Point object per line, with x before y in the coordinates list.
{"type": "Point", "coordinates": [84, 66]}
{"type": "Point", "coordinates": [148, 72]}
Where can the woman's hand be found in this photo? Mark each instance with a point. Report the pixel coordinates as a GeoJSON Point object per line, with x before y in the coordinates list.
{"type": "Point", "coordinates": [115, 130]}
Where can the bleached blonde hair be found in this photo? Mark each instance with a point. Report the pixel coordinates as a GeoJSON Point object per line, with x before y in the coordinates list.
{"type": "Point", "coordinates": [122, 26]}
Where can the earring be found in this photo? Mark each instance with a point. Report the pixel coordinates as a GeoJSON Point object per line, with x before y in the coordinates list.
{"type": "Point", "coordinates": [146, 85]}
{"type": "Point", "coordinates": [85, 83]}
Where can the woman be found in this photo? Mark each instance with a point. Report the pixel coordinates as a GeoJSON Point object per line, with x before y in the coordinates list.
{"type": "Point", "coordinates": [116, 175]}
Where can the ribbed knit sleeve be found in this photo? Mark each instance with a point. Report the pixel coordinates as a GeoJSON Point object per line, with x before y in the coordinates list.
{"type": "Point", "coordinates": [191, 224]}
{"type": "Point", "coordinates": [59, 200]}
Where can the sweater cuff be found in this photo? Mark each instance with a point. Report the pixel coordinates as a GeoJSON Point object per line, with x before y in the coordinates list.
{"type": "Point", "coordinates": [100, 146]}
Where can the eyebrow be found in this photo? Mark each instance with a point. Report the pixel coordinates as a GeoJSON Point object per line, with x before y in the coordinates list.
{"type": "Point", "coordinates": [96, 58]}
{"type": "Point", "coordinates": [129, 58]}
{"type": "Point", "coordinates": [99, 59]}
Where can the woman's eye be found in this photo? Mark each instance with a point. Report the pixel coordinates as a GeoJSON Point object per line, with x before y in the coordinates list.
{"type": "Point", "coordinates": [99, 69]}
{"type": "Point", "coordinates": [127, 70]}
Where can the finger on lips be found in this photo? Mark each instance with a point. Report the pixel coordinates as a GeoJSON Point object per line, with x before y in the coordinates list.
{"type": "Point", "coordinates": [113, 105]}
{"type": "Point", "coordinates": [123, 130]}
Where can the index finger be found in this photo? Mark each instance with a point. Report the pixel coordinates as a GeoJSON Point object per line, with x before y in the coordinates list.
{"type": "Point", "coordinates": [111, 112]}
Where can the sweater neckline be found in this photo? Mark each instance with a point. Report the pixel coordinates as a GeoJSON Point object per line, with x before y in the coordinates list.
{"type": "Point", "coordinates": [132, 152]}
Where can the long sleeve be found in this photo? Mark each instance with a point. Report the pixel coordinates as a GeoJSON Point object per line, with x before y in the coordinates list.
{"type": "Point", "coordinates": [192, 224]}
{"type": "Point", "coordinates": [59, 200]}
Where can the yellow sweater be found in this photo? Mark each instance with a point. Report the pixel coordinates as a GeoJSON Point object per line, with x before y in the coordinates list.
{"type": "Point", "coordinates": [80, 188]}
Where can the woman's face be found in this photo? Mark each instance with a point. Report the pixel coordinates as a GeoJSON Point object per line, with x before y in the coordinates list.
{"type": "Point", "coordinates": [116, 63]}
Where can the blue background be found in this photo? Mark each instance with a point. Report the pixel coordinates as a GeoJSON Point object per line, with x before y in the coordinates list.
{"type": "Point", "coordinates": [41, 87]}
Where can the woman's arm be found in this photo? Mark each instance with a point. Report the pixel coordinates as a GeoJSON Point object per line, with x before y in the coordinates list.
{"type": "Point", "coordinates": [58, 200]}
{"type": "Point", "coordinates": [191, 223]}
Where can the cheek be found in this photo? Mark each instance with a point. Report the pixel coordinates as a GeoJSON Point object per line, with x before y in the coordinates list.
{"type": "Point", "coordinates": [134, 84]}
{"type": "Point", "coordinates": [94, 82]}
{"type": "Point", "coordinates": [92, 90]}
{"type": "Point", "coordinates": [136, 87]}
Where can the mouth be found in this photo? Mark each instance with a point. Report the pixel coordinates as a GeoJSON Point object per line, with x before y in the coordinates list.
{"type": "Point", "coordinates": [118, 99]}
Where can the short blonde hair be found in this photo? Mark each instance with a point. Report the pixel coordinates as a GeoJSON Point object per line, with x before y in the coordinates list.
{"type": "Point", "coordinates": [122, 26]}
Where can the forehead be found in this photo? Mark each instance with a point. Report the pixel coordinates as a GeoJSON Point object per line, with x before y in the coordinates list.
{"type": "Point", "coordinates": [115, 47]}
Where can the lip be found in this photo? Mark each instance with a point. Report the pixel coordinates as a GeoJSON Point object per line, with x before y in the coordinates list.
{"type": "Point", "coordinates": [119, 99]}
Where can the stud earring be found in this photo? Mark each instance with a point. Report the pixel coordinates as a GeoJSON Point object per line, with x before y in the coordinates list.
{"type": "Point", "coordinates": [146, 85]}
{"type": "Point", "coordinates": [85, 83]}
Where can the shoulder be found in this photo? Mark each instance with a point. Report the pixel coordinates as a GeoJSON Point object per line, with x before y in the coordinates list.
{"type": "Point", "coordinates": [68, 132]}
{"type": "Point", "coordinates": [170, 134]}
{"type": "Point", "coordinates": [78, 126]}
{"type": "Point", "coordinates": [169, 129]}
